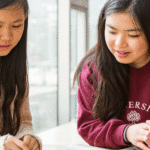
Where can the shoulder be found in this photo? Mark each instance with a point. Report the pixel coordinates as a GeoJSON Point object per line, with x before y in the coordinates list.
{"type": "Point", "coordinates": [89, 73]}
{"type": "Point", "coordinates": [89, 68]}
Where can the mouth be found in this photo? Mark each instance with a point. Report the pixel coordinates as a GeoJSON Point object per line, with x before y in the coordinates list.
{"type": "Point", "coordinates": [4, 46]}
{"type": "Point", "coordinates": [122, 52]}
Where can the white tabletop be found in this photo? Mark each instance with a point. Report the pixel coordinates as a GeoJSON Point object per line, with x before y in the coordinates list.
{"type": "Point", "coordinates": [69, 147]}
{"type": "Point", "coordinates": [66, 137]}
{"type": "Point", "coordinates": [79, 147]}
{"type": "Point", "coordinates": [62, 135]}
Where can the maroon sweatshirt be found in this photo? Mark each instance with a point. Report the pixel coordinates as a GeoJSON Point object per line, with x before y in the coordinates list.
{"type": "Point", "coordinates": [110, 134]}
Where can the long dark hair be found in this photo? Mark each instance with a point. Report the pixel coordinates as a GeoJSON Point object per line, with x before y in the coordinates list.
{"type": "Point", "coordinates": [112, 90]}
{"type": "Point", "coordinates": [13, 76]}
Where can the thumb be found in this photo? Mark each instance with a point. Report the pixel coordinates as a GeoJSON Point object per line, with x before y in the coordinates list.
{"type": "Point", "coordinates": [26, 139]}
{"type": "Point", "coordinates": [146, 126]}
{"type": "Point", "coordinates": [148, 121]}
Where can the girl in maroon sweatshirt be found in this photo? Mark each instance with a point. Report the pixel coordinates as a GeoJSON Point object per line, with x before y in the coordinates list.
{"type": "Point", "coordinates": [114, 79]}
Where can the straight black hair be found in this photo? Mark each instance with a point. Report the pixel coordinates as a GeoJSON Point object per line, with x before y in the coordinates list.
{"type": "Point", "coordinates": [112, 90]}
{"type": "Point", "coordinates": [13, 75]}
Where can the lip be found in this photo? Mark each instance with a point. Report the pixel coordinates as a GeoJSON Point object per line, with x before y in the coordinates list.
{"type": "Point", "coordinates": [122, 54]}
{"type": "Point", "coordinates": [121, 51]}
{"type": "Point", "coordinates": [4, 46]}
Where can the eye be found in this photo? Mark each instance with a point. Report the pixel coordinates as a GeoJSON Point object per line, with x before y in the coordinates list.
{"type": "Point", "coordinates": [134, 36]}
{"type": "Point", "coordinates": [112, 32]}
{"type": "Point", "coordinates": [17, 26]}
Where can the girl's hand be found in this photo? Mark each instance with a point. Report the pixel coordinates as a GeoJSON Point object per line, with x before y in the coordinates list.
{"type": "Point", "coordinates": [12, 143]}
{"type": "Point", "coordinates": [139, 134]}
{"type": "Point", "coordinates": [31, 142]}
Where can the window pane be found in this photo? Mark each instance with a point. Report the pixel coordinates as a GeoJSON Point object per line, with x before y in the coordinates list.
{"type": "Point", "coordinates": [73, 61]}
{"type": "Point", "coordinates": [78, 50]}
{"type": "Point", "coordinates": [95, 7]}
{"type": "Point", "coordinates": [42, 58]}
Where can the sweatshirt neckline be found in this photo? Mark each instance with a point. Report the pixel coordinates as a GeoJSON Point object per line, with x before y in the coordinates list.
{"type": "Point", "coordinates": [143, 69]}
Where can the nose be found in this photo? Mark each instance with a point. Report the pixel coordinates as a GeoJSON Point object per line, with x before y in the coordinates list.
{"type": "Point", "coordinates": [6, 34]}
{"type": "Point", "coordinates": [121, 41]}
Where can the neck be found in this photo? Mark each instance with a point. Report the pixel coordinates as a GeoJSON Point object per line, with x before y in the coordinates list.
{"type": "Point", "coordinates": [140, 65]}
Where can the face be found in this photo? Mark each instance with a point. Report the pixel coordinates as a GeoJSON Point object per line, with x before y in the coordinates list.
{"type": "Point", "coordinates": [126, 40]}
{"type": "Point", "coordinates": [11, 28]}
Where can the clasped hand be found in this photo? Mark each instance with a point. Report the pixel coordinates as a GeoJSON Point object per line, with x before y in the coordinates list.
{"type": "Point", "coordinates": [138, 134]}
{"type": "Point", "coordinates": [27, 142]}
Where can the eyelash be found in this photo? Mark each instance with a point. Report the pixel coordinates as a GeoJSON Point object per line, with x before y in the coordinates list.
{"type": "Point", "coordinates": [16, 26]}
{"type": "Point", "coordinates": [129, 35]}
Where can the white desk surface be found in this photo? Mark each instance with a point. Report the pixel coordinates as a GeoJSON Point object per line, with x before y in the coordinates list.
{"type": "Point", "coordinates": [79, 147]}
{"type": "Point", "coordinates": [69, 147]}
{"type": "Point", "coordinates": [62, 135]}
{"type": "Point", "coordinates": [66, 137]}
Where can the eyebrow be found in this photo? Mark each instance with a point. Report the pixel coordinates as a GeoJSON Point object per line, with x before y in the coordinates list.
{"type": "Point", "coordinates": [129, 30]}
{"type": "Point", "coordinates": [19, 20]}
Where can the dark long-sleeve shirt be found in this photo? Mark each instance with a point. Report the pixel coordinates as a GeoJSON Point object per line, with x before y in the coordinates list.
{"type": "Point", "coordinates": [110, 134]}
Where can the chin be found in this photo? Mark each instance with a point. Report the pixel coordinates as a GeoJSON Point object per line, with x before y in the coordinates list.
{"type": "Point", "coordinates": [124, 62]}
{"type": "Point", "coordinates": [4, 54]}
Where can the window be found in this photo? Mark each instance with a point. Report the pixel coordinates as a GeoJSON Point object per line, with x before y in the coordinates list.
{"type": "Point", "coordinates": [42, 59]}
{"type": "Point", "coordinates": [78, 50]}
{"type": "Point", "coordinates": [54, 47]}
{"type": "Point", "coordinates": [95, 7]}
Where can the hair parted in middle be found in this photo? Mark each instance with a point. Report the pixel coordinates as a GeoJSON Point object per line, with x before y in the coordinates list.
{"type": "Point", "coordinates": [112, 90]}
{"type": "Point", "coordinates": [13, 79]}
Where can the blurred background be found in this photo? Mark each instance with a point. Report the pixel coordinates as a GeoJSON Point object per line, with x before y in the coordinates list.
{"type": "Point", "coordinates": [60, 33]}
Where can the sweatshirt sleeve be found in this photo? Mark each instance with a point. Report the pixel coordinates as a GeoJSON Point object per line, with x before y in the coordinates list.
{"type": "Point", "coordinates": [93, 131]}
{"type": "Point", "coordinates": [2, 139]}
{"type": "Point", "coordinates": [26, 126]}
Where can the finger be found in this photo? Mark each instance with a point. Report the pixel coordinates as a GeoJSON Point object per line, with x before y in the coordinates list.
{"type": "Point", "coordinates": [147, 135]}
{"type": "Point", "coordinates": [36, 147]}
{"type": "Point", "coordinates": [20, 144]}
{"type": "Point", "coordinates": [10, 145]}
{"type": "Point", "coordinates": [27, 140]}
{"type": "Point", "coordinates": [7, 149]}
{"type": "Point", "coordinates": [33, 143]}
{"type": "Point", "coordinates": [148, 121]}
{"type": "Point", "coordinates": [147, 141]}
{"type": "Point", "coordinates": [145, 126]}
{"type": "Point", "coordinates": [144, 132]}
{"type": "Point", "coordinates": [142, 146]}
{"type": "Point", "coordinates": [13, 146]}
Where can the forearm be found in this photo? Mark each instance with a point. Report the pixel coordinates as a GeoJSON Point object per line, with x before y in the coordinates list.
{"type": "Point", "coordinates": [100, 134]}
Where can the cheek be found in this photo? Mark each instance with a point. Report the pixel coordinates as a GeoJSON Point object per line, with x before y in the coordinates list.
{"type": "Point", "coordinates": [139, 47]}
{"type": "Point", "coordinates": [17, 36]}
{"type": "Point", "coordinates": [109, 42]}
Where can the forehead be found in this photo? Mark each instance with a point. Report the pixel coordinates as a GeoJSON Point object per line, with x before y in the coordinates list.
{"type": "Point", "coordinates": [122, 21]}
{"type": "Point", "coordinates": [11, 13]}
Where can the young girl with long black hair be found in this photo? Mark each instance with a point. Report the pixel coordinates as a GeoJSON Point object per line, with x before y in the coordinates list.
{"type": "Point", "coordinates": [114, 79]}
{"type": "Point", "coordinates": [16, 131]}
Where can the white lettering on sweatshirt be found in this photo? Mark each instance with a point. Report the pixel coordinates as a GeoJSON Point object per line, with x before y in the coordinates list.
{"type": "Point", "coordinates": [142, 106]}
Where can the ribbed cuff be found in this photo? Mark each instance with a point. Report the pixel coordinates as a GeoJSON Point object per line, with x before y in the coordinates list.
{"type": "Point", "coordinates": [2, 140]}
{"type": "Point", "coordinates": [125, 136]}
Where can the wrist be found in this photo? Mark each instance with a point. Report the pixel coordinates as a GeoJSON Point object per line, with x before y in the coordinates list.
{"type": "Point", "coordinates": [5, 139]}
{"type": "Point", "coordinates": [125, 137]}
